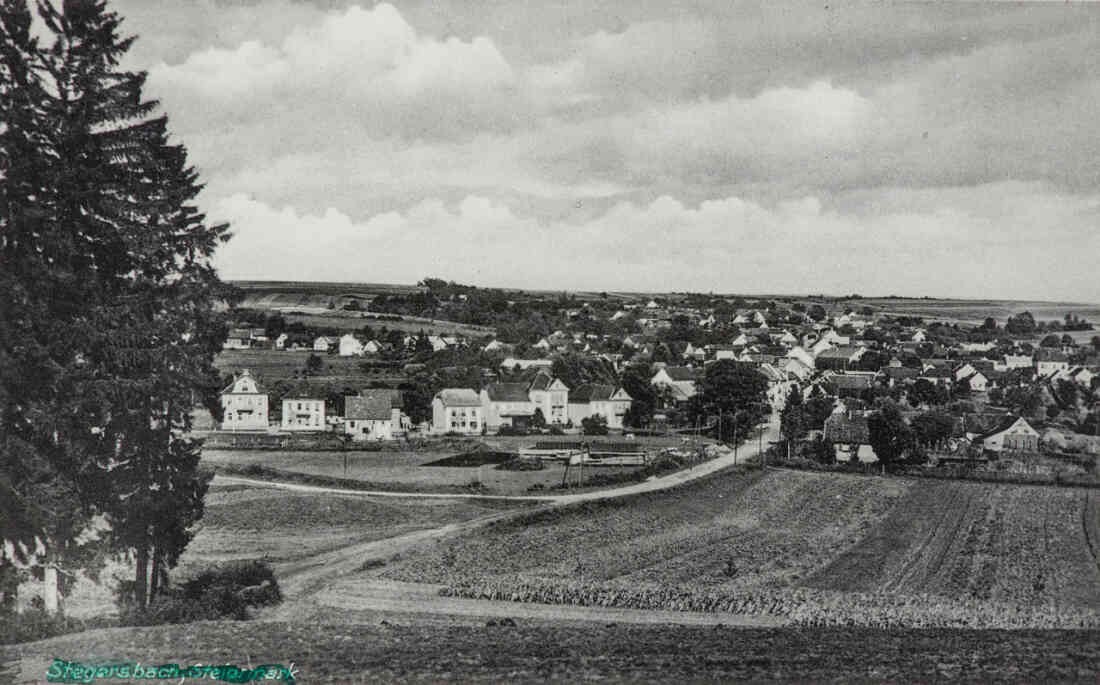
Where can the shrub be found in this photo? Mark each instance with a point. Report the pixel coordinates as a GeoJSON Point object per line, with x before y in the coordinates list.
{"type": "Point", "coordinates": [222, 592]}
{"type": "Point", "coordinates": [594, 425]}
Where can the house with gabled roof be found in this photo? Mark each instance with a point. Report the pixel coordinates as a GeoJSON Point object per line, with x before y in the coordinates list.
{"type": "Point", "coordinates": [457, 410]}
{"type": "Point", "coordinates": [850, 436]}
{"type": "Point", "coordinates": [244, 404]}
{"type": "Point", "coordinates": [591, 399]}
{"type": "Point", "coordinates": [238, 339]}
{"type": "Point", "coordinates": [678, 380]}
{"type": "Point", "coordinates": [1010, 434]}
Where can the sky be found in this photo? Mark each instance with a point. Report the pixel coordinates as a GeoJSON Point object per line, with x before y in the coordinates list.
{"type": "Point", "coordinates": [945, 150]}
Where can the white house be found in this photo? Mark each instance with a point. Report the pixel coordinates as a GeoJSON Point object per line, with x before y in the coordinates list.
{"type": "Point", "coordinates": [375, 414]}
{"type": "Point", "coordinates": [325, 343]}
{"type": "Point", "coordinates": [1048, 362]}
{"type": "Point", "coordinates": [457, 410]}
{"type": "Point", "coordinates": [238, 339]}
{"type": "Point", "coordinates": [591, 399]}
{"type": "Point", "coordinates": [303, 414]}
{"type": "Point", "coordinates": [551, 396]}
{"type": "Point", "coordinates": [1013, 434]}
{"type": "Point", "coordinates": [244, 404]}
{"type": "Point", "coordinates": [679, 380]}
{"type": "Point", "coordinates": [977, 382]}
{"type": "Point", "coordinates": [511, 363]}
{"type": "Point", "coordinates": [280, 342]}
{"type": "Point", "coordinates": [350, 346]}
{"type": "Point", "coordinates": [1018, 361]}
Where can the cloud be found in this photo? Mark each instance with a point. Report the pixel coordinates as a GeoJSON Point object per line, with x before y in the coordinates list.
{"type": "Point", "coordinates": [369, 63]}
{"type": "Point", "coordinates": [981, 242]}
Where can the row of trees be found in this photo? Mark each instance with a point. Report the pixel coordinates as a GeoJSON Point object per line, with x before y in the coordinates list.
{"type": "Point", "coordinates": [107, 320]}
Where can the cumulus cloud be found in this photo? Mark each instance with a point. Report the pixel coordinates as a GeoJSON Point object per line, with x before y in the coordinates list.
{"type": "Point", "coordinates": [369, 62]}
{"type": "Point", "coordinates": [967, 243]}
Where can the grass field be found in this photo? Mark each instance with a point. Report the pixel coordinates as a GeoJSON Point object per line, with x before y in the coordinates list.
{"type": "Point", "coordinates": [403, 649]}
{"type": "Point", "coordinates": [976, 311]}
{"type": "Point", "coordinates": [273, 365]}
{"type": "Point", "coordinates": [887, 551]}
{"type": "Point", "coordinates": [393, 469]}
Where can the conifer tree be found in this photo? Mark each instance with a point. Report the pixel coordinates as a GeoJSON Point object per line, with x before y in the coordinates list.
{"type": "Point", "coordinates": [131, 257]}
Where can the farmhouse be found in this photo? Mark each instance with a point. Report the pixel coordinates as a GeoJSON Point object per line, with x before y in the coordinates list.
{"type": "Point", "coordinates": [325, 343]}
{"type": "Point", "coordinates": [238, 339]}
{"type": "Point", "coordinates": [593, 399]}
{"type": "Point", "coordinates": [850, 437]}
{"type": "Point", "coordinates": [457, 410]}
{"type": "Point", "coordinates": [511, 363]}
{"type": "Point", "coordinates": [1012, 434]}
{"type": "Point", "coordinates": [303, 414]}
{"type": "Point", "coordinates": [244, 405]}
{"type": "Point", "coordinates": [679, 381]}
{"type": "Point", "coordinates": [375, 414]}
{"type": "Point", "coordinates": [1049, 362]}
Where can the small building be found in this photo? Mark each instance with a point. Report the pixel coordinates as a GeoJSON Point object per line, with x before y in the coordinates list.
{"type": "Point", "coordinates": [457, 410]}
{"type": "Point", "coordinates": [368, 418]}
{"type": "Point", "coordinates": [244, 404]}
{"type": "Point", "coordinates": [678, 380]}
{"type": "Point", "coordinates": [1012, 434]}
{"type": "Point", "coordinates": [350, 346]}
{"type": "Point", "coordinates": [303, 414]}
{"type": "Point", "coordinates": [1049, 362]}
{"type": "Point", "coordinates": [850, 436]}
{"type": "Point", "coordinates": [280, 342]}
{"type": "Point", "coordinates": [238, 339]}
{"type": "Point", "coordinates": [325, 343]}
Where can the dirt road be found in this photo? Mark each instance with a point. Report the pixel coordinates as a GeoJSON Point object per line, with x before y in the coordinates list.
{"type": "Point", "coordinates": [333, 578]}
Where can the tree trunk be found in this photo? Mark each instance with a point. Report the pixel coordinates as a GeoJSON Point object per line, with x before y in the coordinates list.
{"type": "Point", "coordinates": [141, 576]}
{"type": "Point", "coordinates": [49, 590]}
{"type": "Point", "coordinates": [154, 577]}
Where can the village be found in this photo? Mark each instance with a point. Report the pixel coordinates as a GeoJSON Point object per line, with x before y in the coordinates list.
{"type": "Point", "coordinates": [594, 366]}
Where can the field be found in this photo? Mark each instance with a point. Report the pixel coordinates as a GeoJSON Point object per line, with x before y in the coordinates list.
{"type": "Point", "coordinates": [1020, 544]}
{"type": "Point", "coordinates": [976, 311]}
{"type": "Point", "coordinates": [813, 548]}
{"type": "Point", "coordinates": [750, 529]}
{"type": "Point", "coordinates": [244, 523]}
{"type": "Point", "coordinates": [401, 648]}
{"type": "Point", "coordinates": [404, 470]}
{"type": "Point", "coordinates": [273, 365]}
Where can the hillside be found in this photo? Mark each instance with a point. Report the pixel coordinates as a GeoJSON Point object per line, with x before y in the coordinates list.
{"type": "Point", "coordinates": [791, 539]}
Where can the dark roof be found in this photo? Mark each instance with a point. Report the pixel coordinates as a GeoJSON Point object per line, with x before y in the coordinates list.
{"type": "Point", "coordinates": [845, 382]}
{"type": "Point", "coordinates": [843, 428]}
{"type": "Point", "coordinates": [459, 397]}
{"type": "Point", "coordinates": [984, 423]}
{"type": "Point", "coordinates": [591, 392]}
{"type": "Point", "coordinates": [938, 372]}
{"type": "Point", "coordinates": [680, 373]}
{"type": "Point", "coordinates": [900, 373]}
{"type": "Point", "coordinates": [843, 352]}
{"type": "Point", "coordinates": [395, 397]}
{"type": "Point", "coordinates": [508, 392]}
{"type": "Point", "coordinates": [367, 408]}
{"type": "Point", "coordinates": [541, 381]}
{"type": "Point", "coordinates": [240, 333]}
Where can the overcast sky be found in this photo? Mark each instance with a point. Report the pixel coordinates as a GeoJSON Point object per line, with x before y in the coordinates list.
{"type": "Point", "coordinates": [916, 149]}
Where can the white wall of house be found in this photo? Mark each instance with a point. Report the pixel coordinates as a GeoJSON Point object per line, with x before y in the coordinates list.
{"type": "Point", "coordinates": [244, 407]}
{"type": "Point", "coordinates": [369, 429]}
{"type": "Point", "coordinates": [446, 419]}
{"type": "Point", "coordinates": [303, 414]}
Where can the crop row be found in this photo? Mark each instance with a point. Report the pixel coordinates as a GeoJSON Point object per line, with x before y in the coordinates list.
{"type": "Point", "coordinates": [799, 606]}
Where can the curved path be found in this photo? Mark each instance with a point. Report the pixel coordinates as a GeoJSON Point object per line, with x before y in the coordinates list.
{"type": "Point", "coordinates": [333, 578]}
{"type": "Point", "coordinates": [706, 468]}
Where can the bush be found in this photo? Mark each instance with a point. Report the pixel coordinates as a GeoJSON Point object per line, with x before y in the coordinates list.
{"type": "Point", "coordinates": [594, 425]}
{"type": "Point", "coordinates": [511, 430]}
{"type": "Point", "coordinates": [35, 624]}
{"type": "Point", "coordinates": [222, 592]}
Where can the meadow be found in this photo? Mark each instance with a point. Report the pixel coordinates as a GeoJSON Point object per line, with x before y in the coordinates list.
{"type": "Point", "coordinates": [396, 470]}
{"type": "Point", "coordinates": [269, 366]}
